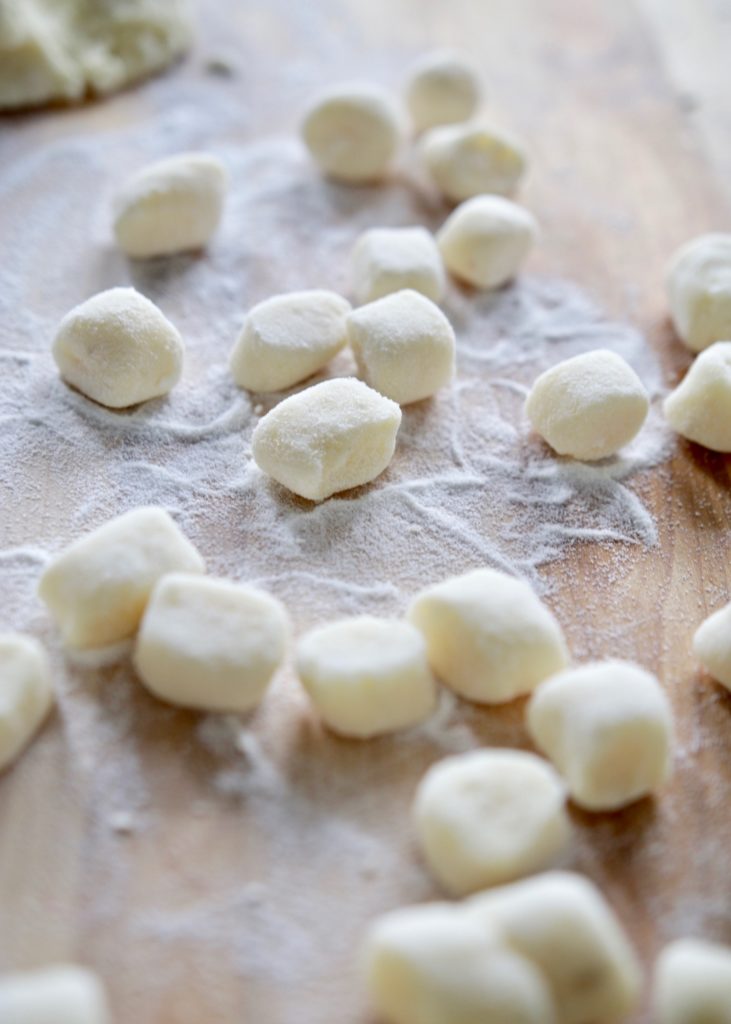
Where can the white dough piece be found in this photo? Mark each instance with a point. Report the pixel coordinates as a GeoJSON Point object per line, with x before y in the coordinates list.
{"type": "Point", "coordinates": [327, 438]}
{"type": "Point", "coordinates": [367, 676]}
{"type": "Point", "coordinates": [699, 291]}
{"type": "Point", "coordinates": [561, 922]}
{"type": "Point", "coordinates": [442, 88]}
{"type": "Point", "coordinates": [404, 346]}
{"type": "Point", "coordinates": [65, 994]}
{"type": "Point", "coordinates": [692, 984]}
{"type": "Point", "coordinates": [173, 205]}
{"type": "Point", "coordinates": [489, 637]}
{"type": "Point", "coordinates": [466, 160]}
{"type": "Point", "coordinates": [435, 964]}
{"type": "Point", "coordinates": [608, 728]}
{"type": "Point", "coordinates": [118, 349]}
{"type": "Point", "coordinates": [210, 643]}
{"type": "Point", "coordinates": [25, 693]}
{"type": "Point", "coordinates": [386, 260]}
{"type": "Point", "coordinates": [700, 407]}
{"type": "Point", "coordinates": [712, 645]}
{"type": "Point", "coordinates": [490, 816]}
{"type": "Point", "coordinates": [287, 338]}
{"type": "Point", "coordinates": [353, 132]}
{"type": "Point", "coordinates": [486, 240]}
{"type": "Point", "coordinates": [97, 589]}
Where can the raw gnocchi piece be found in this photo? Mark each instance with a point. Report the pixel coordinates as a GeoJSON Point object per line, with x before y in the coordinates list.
{"type": "Point", "coordinates": [53, 995]}
{"type": "Point", "coordinates": [25, 693]}
{"type": "Point", "coordinates": [486, 240]}
{"type": "Point", "coordinates": [700, 407]}
{"type": "Point", "coordinates": [386, 260]}
{"type": "Point", "coordinates": [692, 983]}
{"type": "Point", "coordinates": [442, 88]}
{"type": "Point", "coordinates": [466, 160]}
{"type": "Point", "coordinates": [712, 645]}
{"type": "Point", "coordinates": [699, 291]}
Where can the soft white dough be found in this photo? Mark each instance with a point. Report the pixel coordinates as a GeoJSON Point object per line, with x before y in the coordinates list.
{"type": "Point", "coordinates": [64, 994]}
{"type": "Point", "coordinates": [353, 132]}
{"type": "Point", "coordinates": [442, 88]}
{"type": "Point", "coordinates": [172, 205]}
{"type": "Point", "coordinates": [486, 240]}
{"type": "Point", "coordinates": [489, 637]}
{"type": "Point", "coordinates": [608, 728]}
{"type": "Point", "coordinates": [210, 643]}
{"type": "Point", "coordinates": [466, 160]}
{"type": "Point", "coordinates": [588, 406]}
{"type": "Point", "coordinates": [712, 645]}
{"type": "Point", "coordinates": [367, 676]}
{"type": "Point", "coordinates": [692, 983]}
{"type": "Point", "coordinates": [97, 589]}
{"type": "Point", "coordinates": [386, 260]}
{"type": "Point", "coordinates": [118, 349]}
{"type": "Point", "coordinates": [404, 346]}
{"type": "Point", "coordinates": [25, 693]}
{"type": "Point", "coordinates": [287, 338]}
{"type": "Point", "coordinates": [490, 816]}
{"type": "Point", "coordinates": [699, 291]}
{"type": "Point", "coordinates": [700, 407]}
{"type": "Point", "coordinates": [327, 438]}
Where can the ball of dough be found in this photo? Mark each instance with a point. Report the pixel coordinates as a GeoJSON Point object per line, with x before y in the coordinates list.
{"type": "Point", "coordinates": [118, 349]}
{"type": "Point", "coordinates": [442, 88]}
{"type": "Point", "coordinates": [588, 406]}
{"type": "Point", "coordinates": [25, 693]}
{"type": "Point", "coordinates": [386, 260]}
{"type": "Point", "coordinates": [97, 589]}
{"type": "Point", "coordinates": [288, 338]}
{"type": "Point", "coordinates": [404, 346]}
{"type": "Point", "coordinates": [699, 291]}
{"type": "Point", "coordinates": [466, 160]}
{"type": "Point", "coordinates": [608, 728]}
{"type": "Point", "coordinates": [327, 438]}
{"type": "Point", "coordinates": [700, 407]}
{"type": "Point", "coordinates": [692, 984]}
{"type": "Point", "coordinates": [209, 643]}
{"type": "Point", "coordinates": [367, 676]}
{"type": "Point", "coordinates": [489, 637]}
{"type": "Point", "coordinates": [490, 816]}
{"type": "Point", "coordinates": [486, 240]}
{"type": "Point", "coordinates": [712, 645]}
{"type": "Point", "coordinates": [53, 995]}
{"type": "Point", "coordinates": [353, 133]}
{"type": "Point", "coordinates": [173, 205]}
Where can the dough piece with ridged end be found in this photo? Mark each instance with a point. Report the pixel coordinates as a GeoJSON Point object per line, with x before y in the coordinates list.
{"type": "Point", "coordinates": [25, 693]}
{"type": "Point", "coordinates": [327, 438]}
{"type": "Point", "coordinates": [97, 589]}
{"type": "Point", "coordinates": [712, 645]}
{"type": "Point", "coordinates": [387, 260]}
{"type": "Point", "coordinates": [692, 983]}
{"type": "Point", "coordinates": [489, 637]}
{"type": "Point", "coordinates": [608, 728]}
{"type": "Point", "coordinates": [486, 240]}
{"type": "Point", "coordinates": [466, 160]}
{"type": "Point", "coordinates": [700, 407]}
{"type": "Point", "coordinates": [118, 349]}
{"type": "Point", "coordinates": [699, 291]}
{"type": "Point", "coordinates": [64, 994]}
{"type": "Point", "coordinates": [442, 88]}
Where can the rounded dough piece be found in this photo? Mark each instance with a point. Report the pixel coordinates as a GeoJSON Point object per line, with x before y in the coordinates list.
{"type": "Point", "coordinates": [466, 160]}
{"type": "Point", "coordinates": [699, 291]}
{"type": "Point", "coordinates": [327, 438]}
{"type": "Point", "coordinates": [712, 645]}
{"type": "Point", "coordinates": [65, 994]}
{"type": "Point", "coordinates": [173, 205]}
{"type": "Point", "coordinates": [488, 817]}
{"type": "Point", "coordinates": [118, 349]}
{"type": "Point", "coordinates": [700, 407]}
{"type": "Point", "coordinates": [25, 693]}
{"type": "Point", "coordinates": [608, 728]}
{"type": "Point", "coordinates": [442, 88]}
{"type": "Point", "coordinates": [486, 240]}
{"type": "Point", "coordinates": [692, 984]}
{"type": "Point", "coordinates": [588, 406]}
{"type": "Point", "coordinates": [287, 338]}
{"type": "Point", "coordinates": [353, 133]}
{"type": "Point", "coordinates": [404, 346]}
{"type": "Point", "coordinates": [489, 637]}
{"type": "Point", "coordinates": [210, 643]}
{"type": "Point", "coordinates": [387, 260]}
{"type": "Point", "coordinates": [367, 676]}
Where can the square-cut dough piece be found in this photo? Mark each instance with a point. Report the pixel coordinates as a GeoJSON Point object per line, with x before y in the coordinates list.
{"type": "Point", "coordinates": [64, 994]}
{"type": "Point", "coordinates": [712, 645]}
{"type": "Point", "coordinates": [25, 692]}
{"type": "Point", "coordinates": [692, 984]}
{"type": "Point", "coordinates": [386, 260]}
{"type": "Point", "coordinates": [699, 291]}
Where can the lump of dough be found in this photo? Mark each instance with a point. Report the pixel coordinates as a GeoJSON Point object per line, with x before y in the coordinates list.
{"type": "Point", "coordinates": [327, 438]}
{"type": "Point", "coordinates": [466, 160]}
{"type": "Point", "coordinates": [608, 728]}
{"type": "Point", "coordinates": [172, 205]}
{"type": "Point", "coordinates": [692, 984]}
{"type": "Point", "coordinates": [118, 349]}
{"type": "Point", "coordinates": [442, 88]}
{"type": "Point", "coordinates": [97, 589]}
{"type": "Point", "coordinates": [490, 816]}
{"type": "Point", "coordinates": [353, 132]}
{"type": "Point", "coordinates": [210, 643]}
{"type": "Point", "coordinates": [65, 994]}
{"type": "Point", "coordinates": [287, 338]}
{"type": "Point", "coordinates": [699, 291]}
{"type": "Point", "coordinates": [488, 636]}
{"type": "Point", "coordinates": [588, 406]}
{"type": "Point", "coordinates": [700, 407]}
{"type": "Point", "coordinates": [712, 645]}
{"type": "Point", "coordinates": [404, 346]}
{"type": "Point", "coordinates": [486, 240]}
{"type": "Point", "coordinates": [386, 260]}
{"type": "Point", "coordinates": [25, 693]}
{"type": "Point", "coordinates": [367, 676]}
